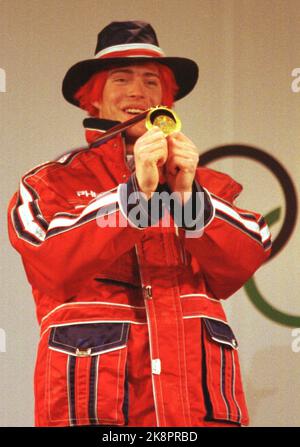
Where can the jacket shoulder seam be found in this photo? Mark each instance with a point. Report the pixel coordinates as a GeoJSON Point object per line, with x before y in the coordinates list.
{"type": "Point", "coordinates": [39, 171]}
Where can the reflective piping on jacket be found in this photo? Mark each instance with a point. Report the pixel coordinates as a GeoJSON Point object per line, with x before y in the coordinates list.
{"type": "Point", "coordinates": [93, 391]}
{"type": "Point", "coordinates": [233, 388]}
{"type": "Point", "coordinates": [199, 294]}
{"type": "Point", "coordinates": [222, 381]}
{"type": "Point", "coordinates": [29, 223]}
{"type": "Point", "coordinates": [71, 364]}
{"type": "Point", "coordinates": [265, 233]}
{"type": "Point", "coordinates": [242, 221]}
{"type": "Point", "coordinates": [204, 316]}
{"type": "Point", "coordinates": [89, 302]}
{"type": "Point", "coordinates": [213, 211]}
{"type": "Point", "coordinates": [101, 201]}
{"type": "Point", "coordinates": [28, 220]}
{"type": "Point", "coordinates": [90, 355]}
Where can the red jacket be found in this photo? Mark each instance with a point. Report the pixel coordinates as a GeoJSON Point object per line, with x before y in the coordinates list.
{"type": "Point", "coordinates": [132, 327]}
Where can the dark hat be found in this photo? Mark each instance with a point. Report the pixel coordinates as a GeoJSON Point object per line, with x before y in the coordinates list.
{"type": "Point", "coordinates": [121, 43]}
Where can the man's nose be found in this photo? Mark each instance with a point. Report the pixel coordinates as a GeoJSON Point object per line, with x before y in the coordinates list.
{"type": "Point", "coordinates": [136, 88]}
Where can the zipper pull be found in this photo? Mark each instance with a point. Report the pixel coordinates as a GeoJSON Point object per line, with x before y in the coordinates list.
{"type": "Point", "coordinates": [147, 292]}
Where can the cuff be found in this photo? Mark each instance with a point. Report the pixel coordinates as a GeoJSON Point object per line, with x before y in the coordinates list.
{"type": "Point", "coordinates": [196, 213]}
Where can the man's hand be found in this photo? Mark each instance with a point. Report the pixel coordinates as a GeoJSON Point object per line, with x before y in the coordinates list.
{"type": "Point", "coordinates": [181, 164]}
{"type": "Point", "coordinates": [150, 154]}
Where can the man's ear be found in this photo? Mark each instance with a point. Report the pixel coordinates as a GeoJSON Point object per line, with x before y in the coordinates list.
{"type": "Point", "coordinates": [97, 105]}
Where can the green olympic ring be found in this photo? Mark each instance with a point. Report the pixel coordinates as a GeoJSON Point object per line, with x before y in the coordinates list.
{"type": "Point", "coordinates": [286, 230]}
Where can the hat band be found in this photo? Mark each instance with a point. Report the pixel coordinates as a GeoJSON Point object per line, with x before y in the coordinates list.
{"type": "Point", "coordinates": [130, 50]}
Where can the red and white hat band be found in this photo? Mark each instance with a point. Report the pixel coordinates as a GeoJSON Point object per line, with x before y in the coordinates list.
{"type": "Point", "coordinates": [130, 50]}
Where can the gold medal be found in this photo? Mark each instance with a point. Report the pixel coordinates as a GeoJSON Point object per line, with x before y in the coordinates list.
{"type": "Point", "coordinates": [164, 118]}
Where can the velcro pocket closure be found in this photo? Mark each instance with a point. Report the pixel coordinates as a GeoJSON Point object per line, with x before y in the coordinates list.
{"type": "Point", "coordinates": [89, 338]}
{"type": "Point", "coordinates": [220, 332]}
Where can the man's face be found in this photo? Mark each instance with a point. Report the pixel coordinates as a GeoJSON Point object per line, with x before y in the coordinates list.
{"type": "Point", "coordinates": [129, 91]}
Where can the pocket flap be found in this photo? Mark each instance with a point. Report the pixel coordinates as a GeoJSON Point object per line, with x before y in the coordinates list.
{"type": "Point", "coordinates": [89, 338]}
{"type": "Point", "coordinates": [220, 332]}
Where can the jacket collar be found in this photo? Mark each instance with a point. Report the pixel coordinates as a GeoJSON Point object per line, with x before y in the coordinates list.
{"type": "Point", "coordinates": [113, 151]}
{"type": "Point", "coordinates": [95, 127]}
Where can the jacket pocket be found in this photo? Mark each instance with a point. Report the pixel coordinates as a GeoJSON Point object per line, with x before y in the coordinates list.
{"type": "Point", "coordinates": [222, 386]}
{"type": "Point", "coordinates": [86, 374]}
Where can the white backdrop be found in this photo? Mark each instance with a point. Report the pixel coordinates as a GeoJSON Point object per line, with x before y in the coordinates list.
{"type": "Point", "coordinates": [246, 51]}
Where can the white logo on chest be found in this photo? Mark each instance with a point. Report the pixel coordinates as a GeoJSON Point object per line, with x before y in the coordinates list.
{"type": "Point", "coordinates": [86, 193]}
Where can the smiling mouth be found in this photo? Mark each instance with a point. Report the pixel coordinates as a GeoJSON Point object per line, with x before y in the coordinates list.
{"type": "Point", "coordinates": [133, 110]}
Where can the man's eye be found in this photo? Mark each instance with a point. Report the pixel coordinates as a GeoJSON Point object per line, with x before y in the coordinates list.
{"type": "Point", "coordinates": [120, 80]}
{"type": "Point", "coordinates": [152, 82]}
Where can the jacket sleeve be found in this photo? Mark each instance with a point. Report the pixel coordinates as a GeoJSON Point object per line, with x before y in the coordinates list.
{"type": "Point", "coordinates": [61, 248]}
{"type": "Point", "coordinates": [232, 242]}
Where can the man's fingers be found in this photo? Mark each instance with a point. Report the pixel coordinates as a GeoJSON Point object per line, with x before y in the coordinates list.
{"type": "Point", "coordinates": [183, 154]}
{"type": "Point", "coordinates": [183, 146]}
{"type": "Point", "coordinates": [155, 155]}
{"type": "Point", "coordinates": [179, 136]}
{"type": "Point", "coordinates": [178, 159]}
{"type": "Point", "coordinates": [151, 150]}
{"type": "Point", "coordinates": [153, 134]}
{"type": "Point", "coordinates": [180, 164]}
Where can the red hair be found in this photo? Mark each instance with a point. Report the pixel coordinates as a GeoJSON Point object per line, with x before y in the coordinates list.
{"type": "Point", "coordinates": [92, 90]}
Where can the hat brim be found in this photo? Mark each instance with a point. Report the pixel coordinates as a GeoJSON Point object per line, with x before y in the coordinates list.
{"type": "Point", "coordinates": [185, 72]}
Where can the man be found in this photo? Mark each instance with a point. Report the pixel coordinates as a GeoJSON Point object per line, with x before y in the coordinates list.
{"type": "Point", "coordinates": [132, 327]}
